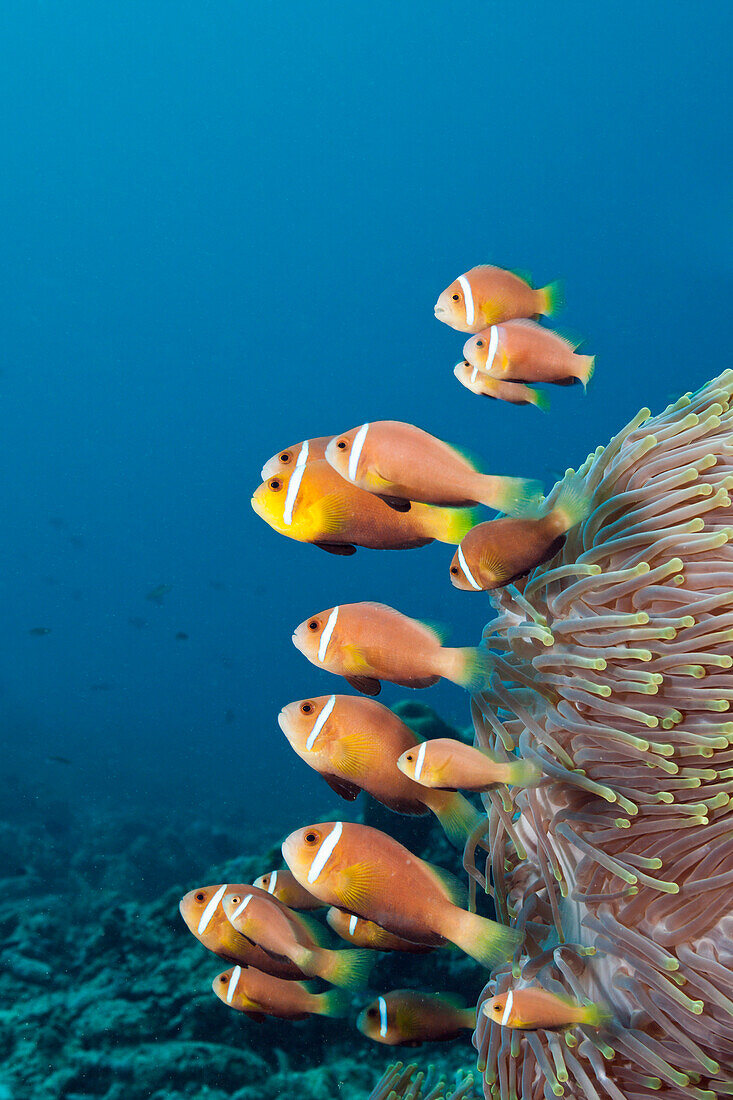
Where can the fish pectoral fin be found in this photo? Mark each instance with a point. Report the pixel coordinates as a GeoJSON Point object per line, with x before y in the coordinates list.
{"type": "Point", "coordinates": [343, 788]}
{"type": "Point", "coordinates": [356, 884]}
{"type": "Point", "coordinates": [396, 503]}
{"type": "Point", "coordinates": [344, 549]}
{"type": "Point", "coordinates": [367, 685]}
{"type": "Point", "coordinates": [332, 513]}
{"type": "Point", "coordinates": [350, 755]}
{"type": "Point", "coordinates": [492, 567]}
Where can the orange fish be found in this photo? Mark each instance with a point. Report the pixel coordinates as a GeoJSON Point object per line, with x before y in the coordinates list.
{"type": "Point", "coordinates": [523, 351]}
{"type": "Point", "coordinates": [259, 995]}
{"type": "Point", "coordinates": [283, 885]}
{"type": "Point", "coordinates": [448, 765]}
{"type": "Point", "coordinates": [535, 1007]}
{"type": "Point", "coordinates": [365, 933]}
{"type": "Point", "coordinates": [487, 295]}
{"type": "Point", "coordinates": [484, 385]}
{"type": "Point", "coordinates": [495, 553]}
{"type": "Point", "coordinates": [310, 450]}
{"type": "Point", "coordinates": [262, 919]}
{"type": "Point", "coordinates": [406, 1017]}
{"type": "Point", "coordinates": [369, 642]}
{"type": "Point", "coordinates": [314, 504]}
{"type": "Point", "coordinates": [401, 463]}
{"type": "Point", "coordinates": [202, 911]}
{"type": "Point", "coordinates": [355, 745]}
{"type": "Point", "coordinates": [366, 872]}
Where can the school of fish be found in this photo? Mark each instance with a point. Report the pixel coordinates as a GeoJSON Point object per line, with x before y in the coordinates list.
{"type": "Point", "coordinates": [389, 485]}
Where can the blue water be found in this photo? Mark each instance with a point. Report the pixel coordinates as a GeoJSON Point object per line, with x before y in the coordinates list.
{"type": "Point", "coordinates": [225, 227]}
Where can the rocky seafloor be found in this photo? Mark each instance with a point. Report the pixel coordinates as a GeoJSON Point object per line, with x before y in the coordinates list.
{"type": "Point", "coordinates": [105, 994]}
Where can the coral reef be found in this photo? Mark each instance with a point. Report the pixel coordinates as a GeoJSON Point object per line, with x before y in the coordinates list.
{"type": "Point", "coordinates": [613, 672]}
{"type": "Point", "coordinates": [402, 1082]}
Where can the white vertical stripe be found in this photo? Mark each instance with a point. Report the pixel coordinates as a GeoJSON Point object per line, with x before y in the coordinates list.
{"type": "Point", "coordinates": [473, 376]}
{"type": "Point", "coordinates": [464, 566]}
{"type": "Point", "coordinates": [326, 635]}
{"type": "Point", "coordinates": [420, 761]}
{"type": "Point", "coordinates": [467, 298]}
{"type": "Point", "coordinates": [294, 484]}
{"type": "Point", "coordinates": [273, 883]}
{"type": "Point", "coordinates": [493, 345]}
{"type": "Point", "coordinates": [320, 722]}
{"type": "Point", "coordinates": [325, 852]}
{"type": "Point", "coordinates": [241, 908]}
{"type": "Point", "coordinates": [382, 1017]}
{"type": "Point", "coordinates": [356, 448]}
{"type": "Point", "coordinates": [507, 1010]}
{"type": "Point", "coordinates": [233, 979]}
{"type": "Point", "coordinates": [353, 921]}
{"type": "Point", "coordinates": [211, 908]}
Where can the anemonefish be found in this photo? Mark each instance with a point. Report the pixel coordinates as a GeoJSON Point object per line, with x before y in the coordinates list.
{"type": "Point", "coordinates": [406, 1017]}
{"type": "Point", "coordinates": [283, 885]}
{"type": "Point", "coordinates": [523, 351]}
{"type": "Point", "coordinates": [449, 765]}
{"type": "Point", "coordinates": [355, 744]}
{"type": "Point", "coordinates": [484, 385]}
{"type": "Point", "coordinates": [310, 450]}
{"type": "Point", "coordinates": [369, 642]}
{"type": "Point", "coordinates": [499, 551]}
{"type": "Point", "coordinates": [535, 1007]}
{"type": "Point", "coordinates": [366, 872]}
{"type": "Point", "coordinates": [258, 995]}
{"type": "Point", "coordinates": [401, 463]}
{"type": "Point", "coordinates": [486, 295]}
{"type": "Point", "coordinates": [314, 504]}
{"type": "Point", "coordinates": [202, 911]}
{"type": "Point", "coordinates": [365, 933]}
{"type": "Point", "coordinates": [262, 919]}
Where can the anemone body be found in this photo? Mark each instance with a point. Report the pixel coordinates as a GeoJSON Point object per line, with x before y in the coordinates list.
{"type": "Point", "coordinates": [614, 673]}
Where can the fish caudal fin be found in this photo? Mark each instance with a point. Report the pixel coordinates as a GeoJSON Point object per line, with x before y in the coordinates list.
{"type": "Point", "coordinates": [451, 524]}
{"type": "Point", "coordinates": [572, 504]}
{"type": "Point", "coordinates": [524, 773]}
{"type": "Point", "coordinates": [552, 298]}
{"type": "Point", "coordinates": [456, 815]}
{"type": "Point", "coordinates": [586, 368]}
{"type": "Point", "coordinates": [516, 496]}
{"type": "Point", "coordinates": [486, 941]}
{"type": "Point", "coordinates": [349, 969]}
{"type": "Point", "coordinates": [333, 1003]}
{"type": "Point", "coordinates": [470, 668]}
{"type": "Point", "coordinates": [596, 1015]}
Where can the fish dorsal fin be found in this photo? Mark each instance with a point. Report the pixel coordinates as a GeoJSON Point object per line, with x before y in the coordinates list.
{"type": "Point", "coordinates": [440, 631]}
{"type": "Point", "coordinates": [314, 928]}
{"type": "Point", "coordinates": [344, 789]}
{"type": "Point", "coordinates": [521, 273]}
{"type": "Point", "coordinates": [452, 887]}
{"type": "Point", "coordinates": [466, 456]}
{"type": "Point", "coordinates": [572, 339]}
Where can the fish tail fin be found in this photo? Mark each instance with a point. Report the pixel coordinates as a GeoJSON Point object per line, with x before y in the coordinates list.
{"type": "Point", "coordinates": [451, 524]}
{"type": "Point", "coordinates": [470, 667]}
{"type": "Point", "coordinates": [552, 298]}
{"type": "Point", "coordinates": [515, 496]}
{"type": "Point", "coordinates": [525, 773]}
{"type": "Point", "coordinates": [456, 815]}
{"type": "Point", "coordinates": [596, 1015]}
{"type": "Point", "coordinates": [469, 1018]}
{"type": "Point", "coordinates": [348, 968]}
{"type": "Point", "coordinates": [572, 504]}
{"type": "Point", "coordinates": [334, 1003]}
{"type": "Point", "coordinates": [486, 941]}
{"type": "Point", "coordinates": [586, 368]}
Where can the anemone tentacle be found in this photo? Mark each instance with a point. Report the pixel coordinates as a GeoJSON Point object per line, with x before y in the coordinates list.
{"type": "Point", "coordinates": [614, 673]}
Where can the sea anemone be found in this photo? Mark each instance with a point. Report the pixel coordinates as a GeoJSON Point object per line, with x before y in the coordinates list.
{"type": "Point", "coordinates": [401, 1082]}
{"type": "Point", "coordinates": [613, 672]}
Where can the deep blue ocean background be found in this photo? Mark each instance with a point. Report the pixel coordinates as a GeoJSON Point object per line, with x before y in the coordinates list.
{"type": "Point", "coordinates": [225, 227]}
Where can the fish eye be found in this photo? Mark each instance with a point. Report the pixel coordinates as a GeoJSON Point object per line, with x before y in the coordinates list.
{"type": "Point", "coordinates": [276, 485]}
{"type": "Point", "coordinates": [265, 880]}
{"type": "Point", "coordinates": [456, 297]}
{"type": "Point", "coordinates": [341, 444]}
{"type": "Point", "coordinates": [479, 343]}
{"type": "Point", "coordinates": [498, 1008]}
{"type": "Point", "coordinates": [307, 708]}
{"type": "Point", "coordinates": [311, 837]}
{"type": "Point", "coordinates": [409, 756]}
{"type": "Point", "coordinates": [222, 978]}
{"type": "Point", "coordinates": [236, 899]}
{"type": "Point", "coordinates": [372, 1013]}
{"type": "Point", "coordinates": [313, 624]}
{"type": "Point", "coordinates": [200, 897]}
{"type": "Point", "coordinates": [285, 456]}
{"type": "Point", "coordinates": [454, 570]}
